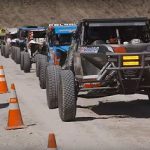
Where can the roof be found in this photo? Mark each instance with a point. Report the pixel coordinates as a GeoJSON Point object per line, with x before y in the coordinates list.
{"type": "Point", "coordinates": [117, 22]}
{"type": "Point", "coordinates": [65, 29]}
{"type": "Point", "coordinates": [32, 28]}
{"type": "Point", "coordinates": [12, 30]}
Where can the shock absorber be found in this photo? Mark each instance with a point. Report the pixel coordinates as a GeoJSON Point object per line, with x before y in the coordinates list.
{"type": "Point", "coordinates": [57, 58]}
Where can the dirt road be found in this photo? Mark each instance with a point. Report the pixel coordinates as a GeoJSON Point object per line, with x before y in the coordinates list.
{"type": "Point", "coordinates": [110, 123]}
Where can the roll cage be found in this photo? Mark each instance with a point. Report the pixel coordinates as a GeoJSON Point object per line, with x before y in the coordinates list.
{"type": "Point", "coordinates": [124, 30]}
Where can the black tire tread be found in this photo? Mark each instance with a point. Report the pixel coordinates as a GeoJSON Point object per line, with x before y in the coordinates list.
{"type": "Point", "coordinates": [2, 50]}
{"type": "Point", "coordinates": [18, 55]}
{"type": "Point", "coordinates": [67, 98]}
{"type": "Point", "coordinates": [22, 60]}
{"type": "Point", "coordinates": [6, 53]}
{"type": "Point", "coordinates": [38, 61]}
{"type": "Point", "coordinates": [42, 75]}
{"type": "Point", "coordinates": [27, 62]}
{"type": "Point", "coordinates": [52, 85]}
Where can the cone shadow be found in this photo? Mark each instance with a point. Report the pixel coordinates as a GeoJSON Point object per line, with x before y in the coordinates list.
{"type": "Point", "coordinates": [4, 105]}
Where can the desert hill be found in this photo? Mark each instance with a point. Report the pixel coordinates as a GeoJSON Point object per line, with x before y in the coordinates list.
{"type": "Point", "coordinates": [36, 12]}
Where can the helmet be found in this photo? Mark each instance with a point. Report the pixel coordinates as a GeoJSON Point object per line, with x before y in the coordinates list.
{"type": "Point", "coordinates": [125, 43]}
{"type": "Point", "coordinates": [135, 41]}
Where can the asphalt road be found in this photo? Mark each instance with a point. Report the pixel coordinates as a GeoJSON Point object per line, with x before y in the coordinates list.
{"type": "Point", "coordinates": [109, 123]}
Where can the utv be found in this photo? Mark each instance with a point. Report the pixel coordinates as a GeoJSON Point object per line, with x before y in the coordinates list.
{"type": "Point", "coordinates": [13, 36]}
{"type": "Point", "coordinates": [59, 37]}
{"type": "Point", "coordinates": [6, 35]}
{"type": "Point", "coordinates": [111, 56]}
{"type": "Point", "coordinates": [31, 42]}
{"type": "Point", "coordinates": [2, 40]}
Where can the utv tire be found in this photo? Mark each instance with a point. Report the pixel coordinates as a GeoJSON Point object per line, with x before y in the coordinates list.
{"type": "Point", "coordinates": [37, 68]}
{"type": "Point", "coordinates": [6, 51]}
{"type": "Point", "coordinates": [38, 61]}
{"type": "Point", "coordinates": [37, 57]}
{"type": "Point", "coordinates": [67, 96]}
{"type": "Point", "coordinates": [13, 53]}
{"type": "Point", "coordinates": [52, 85]}
{"type": "Point", "coordinates": [18, 55]}
{"type": "Point", "coordinates": [26, 62]}
{"type": "Point", "coordinates": [42, 75]}
{"type": "Point", "coordinates": [2, 50]}
{"type": "Point", "coordinates": [22, 60]}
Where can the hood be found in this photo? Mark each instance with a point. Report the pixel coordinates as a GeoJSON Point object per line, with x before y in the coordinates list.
{"type": "Point", "coordinates": [62, 48]}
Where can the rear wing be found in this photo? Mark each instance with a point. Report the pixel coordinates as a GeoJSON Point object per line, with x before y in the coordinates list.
{"type": "Point", "coordinates": [116, 22]}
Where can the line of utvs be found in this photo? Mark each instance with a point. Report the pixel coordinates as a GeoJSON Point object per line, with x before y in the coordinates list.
{"type": "Point", "coordinates": [102, 56]}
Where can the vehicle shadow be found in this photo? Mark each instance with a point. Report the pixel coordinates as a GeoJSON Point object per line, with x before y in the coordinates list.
{"type": "Point", "coordinates": [121, 109]}
{"type": "Point", "coordinates": [4, 105]}
{"type": "Point", "coordinates": [92, 95]}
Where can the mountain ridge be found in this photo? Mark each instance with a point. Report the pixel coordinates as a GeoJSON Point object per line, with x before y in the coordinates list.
{"type": "Point", "coordinates": [15, 13]}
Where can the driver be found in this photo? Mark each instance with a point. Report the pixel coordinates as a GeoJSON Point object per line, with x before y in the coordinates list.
{"type": "Point", "coordinates": [113, 40]}
{"type": "Point", "coordinates": [136, 41]}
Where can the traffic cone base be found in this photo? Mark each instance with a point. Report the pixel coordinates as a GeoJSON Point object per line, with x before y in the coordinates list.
{"type": "Point", "coordinates": [52, 142]}
{"type": "Point", "coordinates": [15, 121]}
{"type": "Point", "coordinates": [14, 115]}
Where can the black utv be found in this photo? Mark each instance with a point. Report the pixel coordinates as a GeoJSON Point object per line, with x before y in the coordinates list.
{"type": "Point", "coordinates": [111, 56]}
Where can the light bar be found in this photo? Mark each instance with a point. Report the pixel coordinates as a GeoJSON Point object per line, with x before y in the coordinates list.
{"type": "Point", "coordinates": [130, 57]}
{"type": "Point", "coordinates": [131, 63]}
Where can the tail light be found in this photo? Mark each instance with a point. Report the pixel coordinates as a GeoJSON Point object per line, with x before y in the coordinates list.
{"type": "Point", "coordinates": [91, 85]}
{"type": "Point", "coordinates": [119, 49]}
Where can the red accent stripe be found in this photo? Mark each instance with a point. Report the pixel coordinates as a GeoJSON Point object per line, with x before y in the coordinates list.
{"type": "Point", "coordinates": [119, 49]}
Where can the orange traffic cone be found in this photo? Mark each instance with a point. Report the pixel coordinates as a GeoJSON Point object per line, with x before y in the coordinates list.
{"type": "Point", "coordinates": [52, 142]}
{"type": "Point", "coordinates": [3, 84]}
{"type": "Point", "coordinates": [14, 116]}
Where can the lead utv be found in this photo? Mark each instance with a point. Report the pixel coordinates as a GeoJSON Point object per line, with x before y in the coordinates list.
{"type": "Point", "coordinates": [111, 56]}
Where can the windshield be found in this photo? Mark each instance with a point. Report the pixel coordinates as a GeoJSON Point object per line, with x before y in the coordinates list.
{"type": "Point", "coordinates": [61, 39]}
{"type": "Point", "coordinates": [39, 34]}
{"type": "Point", "coordinates": [117, 34]}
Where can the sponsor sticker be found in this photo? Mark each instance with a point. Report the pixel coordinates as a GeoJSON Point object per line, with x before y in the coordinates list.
{"type": "Point", "coordinates": [65, 24]}
{"type": "Point", "coordinates": [89, 49]}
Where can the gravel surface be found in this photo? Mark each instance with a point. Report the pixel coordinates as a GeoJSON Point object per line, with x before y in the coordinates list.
{"type": "Point", "coordinates": [109, 123]}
